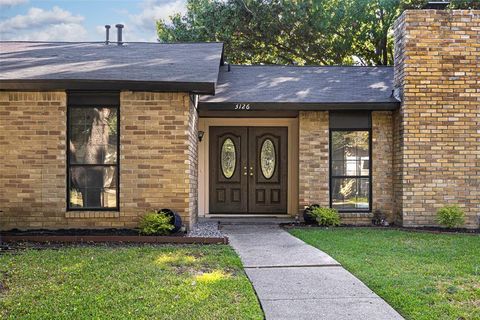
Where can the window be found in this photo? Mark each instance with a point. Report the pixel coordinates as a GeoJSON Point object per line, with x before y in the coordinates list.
{"type": "Point", "coordinates": [93, 152]}
{"type": "Point", "coordinates": [350, 168]}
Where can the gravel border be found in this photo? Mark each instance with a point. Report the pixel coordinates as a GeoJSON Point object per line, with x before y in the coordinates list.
{"type": "Point", "coordinates": [207, 229]}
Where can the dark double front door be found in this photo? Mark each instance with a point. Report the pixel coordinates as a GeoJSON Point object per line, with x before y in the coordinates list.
{"type": "Point", "coordinates": [248, 169]}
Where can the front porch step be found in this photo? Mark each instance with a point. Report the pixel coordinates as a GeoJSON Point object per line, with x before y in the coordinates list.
{"type": "Point", "coordinates": [249, 219]}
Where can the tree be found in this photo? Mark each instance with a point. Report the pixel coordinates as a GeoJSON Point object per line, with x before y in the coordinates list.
{"type": "Point", "coordinates": [301, 32]}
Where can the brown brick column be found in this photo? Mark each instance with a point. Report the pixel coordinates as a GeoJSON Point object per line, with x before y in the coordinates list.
{"type": "Point", "coordinates": [382, 163]}
{"type": "Point", "coordinates": [313, 158]}
{"type": "Point", "coordinates": [192, 161]}
{"type": "Point", "coordinates": [32, 159]}
{"type": "Point", "coordinates": [437, 136]}
{"type": "Point", "coordinates": [158, 154]}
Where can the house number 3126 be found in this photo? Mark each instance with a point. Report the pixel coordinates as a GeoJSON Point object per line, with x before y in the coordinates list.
{"type": "Point", "coordinates": [242, 106]}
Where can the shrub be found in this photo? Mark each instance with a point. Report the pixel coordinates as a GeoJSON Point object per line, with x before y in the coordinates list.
{"type": "Point", "coordinates": [155, 223]}
{"type": "Point", "coordinates": [450, 216]}
{"type": "Point", "coordinates": [326, 216]}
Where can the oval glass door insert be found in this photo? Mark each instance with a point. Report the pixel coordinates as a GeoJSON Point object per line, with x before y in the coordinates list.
{"type": "Point", "coordinates": [267, 158]}
{"type": "Point", "coordinates": [228, 158]}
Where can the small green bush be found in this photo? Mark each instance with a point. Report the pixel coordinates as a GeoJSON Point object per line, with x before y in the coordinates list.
{"type": "Point", "coordinates": [155, 223]}
{"type": "Point", "coordinates": [451, 216]}
{"type": "Point", "coordinates": [326, 217]}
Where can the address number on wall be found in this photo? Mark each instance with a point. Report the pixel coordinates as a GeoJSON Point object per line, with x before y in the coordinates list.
{"type": "Point", "coordinates": [242, 106]}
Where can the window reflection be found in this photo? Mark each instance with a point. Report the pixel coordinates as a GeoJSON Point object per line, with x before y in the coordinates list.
{"type": "Point", "coordinates": [350, 170]}
{"type": "Point", "coordinates": [93, 160]}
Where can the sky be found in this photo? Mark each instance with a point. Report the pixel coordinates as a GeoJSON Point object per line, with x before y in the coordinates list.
{"type": "Point", "coordinates": [83, 20]}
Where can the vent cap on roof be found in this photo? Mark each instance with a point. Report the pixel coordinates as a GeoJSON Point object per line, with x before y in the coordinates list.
{"type": "Point", "coordinates": [119, 34]}
{"type": "Point", "coordinates": [107, 34]}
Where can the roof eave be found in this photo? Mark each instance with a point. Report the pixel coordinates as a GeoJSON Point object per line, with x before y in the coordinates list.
{"type": "Point", "coordinates": [300, 106]}
{"type": "Point", "coordinates": [108, 85]}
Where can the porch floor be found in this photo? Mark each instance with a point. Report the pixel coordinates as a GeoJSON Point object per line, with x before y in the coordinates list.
{"type": "Point", "coordinates": [249, 219]}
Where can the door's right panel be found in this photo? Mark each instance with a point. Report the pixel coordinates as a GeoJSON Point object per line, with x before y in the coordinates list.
{"type": "Point", "coordinates": [267, 169]}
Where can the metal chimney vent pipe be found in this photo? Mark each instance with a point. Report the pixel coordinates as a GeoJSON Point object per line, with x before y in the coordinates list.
{"type": "Point", "coordinates": [107, 34]}
{"type": "Point", "coordinates": [119, 34]}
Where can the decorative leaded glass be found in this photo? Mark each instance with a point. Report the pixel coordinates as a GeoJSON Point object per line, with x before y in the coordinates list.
{"type": "Point", "coordinates": [267, 158]}
{"type": "Point", "coordinates": [228, 158]}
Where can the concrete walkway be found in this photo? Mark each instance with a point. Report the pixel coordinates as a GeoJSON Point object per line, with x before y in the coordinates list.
{"type": "Point", "coordinates": [294, 280]}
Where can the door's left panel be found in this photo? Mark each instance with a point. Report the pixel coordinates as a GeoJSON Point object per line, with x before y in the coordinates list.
{"type": "Point", "coordinates": [228, 173]}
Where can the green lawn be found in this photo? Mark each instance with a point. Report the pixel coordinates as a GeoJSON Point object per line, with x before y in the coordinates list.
{"type": "Point", "coordinates": [144, 282]}
{"type": "Point", "coordinates": [421, 275]}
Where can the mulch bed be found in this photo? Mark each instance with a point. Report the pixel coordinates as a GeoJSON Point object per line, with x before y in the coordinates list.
{"type": "Point", "coordinates": [75, 232]}
{"type": "Point", "coordinates": [15, 247]}
{"type": "Point", "coordinates": [101, 236]}
{"type": "Point", "coordinates": [392, 227]}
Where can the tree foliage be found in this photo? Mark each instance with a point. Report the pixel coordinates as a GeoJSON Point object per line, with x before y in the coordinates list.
{"type": "Point", "coordinates": [300, 32]}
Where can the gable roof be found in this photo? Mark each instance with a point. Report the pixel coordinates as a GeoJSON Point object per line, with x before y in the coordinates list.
{"type": "Point", "coordinates": [305, 87]}
{"type": "Point", "coordinates": [189, 67]}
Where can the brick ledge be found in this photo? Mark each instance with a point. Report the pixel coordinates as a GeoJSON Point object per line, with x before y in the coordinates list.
{"type": "Point", "coordinates": [356, 214]}
{"type": "Point", "coordinates": [92, 214]}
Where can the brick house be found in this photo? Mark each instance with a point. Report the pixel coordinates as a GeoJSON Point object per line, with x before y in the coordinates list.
{"type": "Point", "coordinates": [93, 135]}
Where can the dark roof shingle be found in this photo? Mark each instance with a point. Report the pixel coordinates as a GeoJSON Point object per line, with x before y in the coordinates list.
{"type": "Point", "coordinates": [306, 84]}
{"type": "Point", "coordinates": [193, 63]}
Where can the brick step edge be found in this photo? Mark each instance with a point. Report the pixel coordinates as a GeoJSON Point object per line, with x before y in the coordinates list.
{"type": "Point", "coordinates": [118, 239]}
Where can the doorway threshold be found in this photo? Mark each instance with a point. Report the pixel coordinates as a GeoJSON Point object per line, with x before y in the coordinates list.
{"type": "Point", "coordinates": [257, 219]}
